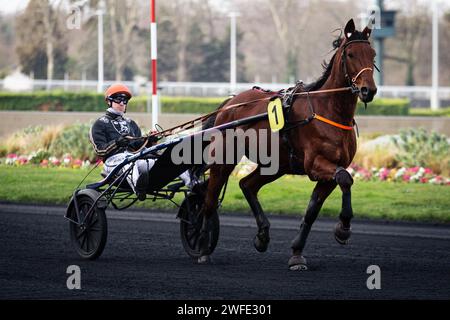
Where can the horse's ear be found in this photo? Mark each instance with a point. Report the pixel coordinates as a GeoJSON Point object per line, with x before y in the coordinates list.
{"type": "Point", "coordinates": [366, 32]}
{"type": "Point", "coordinates": [349, 28]}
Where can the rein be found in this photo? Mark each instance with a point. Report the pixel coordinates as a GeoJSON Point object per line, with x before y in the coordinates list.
{"type": "Point", "coordinates": [352, 87]}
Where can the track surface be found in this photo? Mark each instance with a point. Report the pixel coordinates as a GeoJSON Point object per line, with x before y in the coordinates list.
{"type": "Point", "coordinates": [144, 259]}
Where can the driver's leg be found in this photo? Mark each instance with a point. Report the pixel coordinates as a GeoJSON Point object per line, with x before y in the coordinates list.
{"type": "Point", "coordinates": [139, 177]}
{"type": "Point", "coordinates": [190, 180]}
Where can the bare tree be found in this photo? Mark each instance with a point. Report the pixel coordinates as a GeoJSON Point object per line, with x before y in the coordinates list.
{"type": "Point", "coordinates": [123, 24]}
{"type": "Point", "coordinates": [289, 31]}
{"type": "Point", "coordinates": [41, 44]}
{"type": "Point", "coordinates": [50, 22]}
{"type": "Point", "coordinates": [413, 23]}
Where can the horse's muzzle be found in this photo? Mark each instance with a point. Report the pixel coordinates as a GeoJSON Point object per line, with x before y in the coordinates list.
{"type": "Point", "coordinates": [366, 94]}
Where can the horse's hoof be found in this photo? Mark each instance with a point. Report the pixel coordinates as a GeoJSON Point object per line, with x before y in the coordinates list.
{"type": "Point", "coordinates": [204, 260]}
{"type": "Point", "coordinates": [261, 245]}
{"type": "Point", "coordinates": [297, 263]}
{"type": "Point", "coordinates": [341, 234]}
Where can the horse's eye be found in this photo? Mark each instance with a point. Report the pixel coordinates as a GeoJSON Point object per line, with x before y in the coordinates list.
{"type": "Point", "coordinates": [351, 55]}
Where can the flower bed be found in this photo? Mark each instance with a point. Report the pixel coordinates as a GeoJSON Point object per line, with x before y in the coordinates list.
{"type": "Point", "coordinates": [67, 161]}
{"type": "Point", "coordinates": [411, 175]}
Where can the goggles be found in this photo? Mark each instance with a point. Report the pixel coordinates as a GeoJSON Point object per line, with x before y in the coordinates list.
{"type": "Point", "coordinates": [119, 99]}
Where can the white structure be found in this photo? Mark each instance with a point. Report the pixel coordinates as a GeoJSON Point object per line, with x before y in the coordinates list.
{"type": "Point", "coordinates": [434, 101]}
{"type": "Point", "coordinates": [17, 81]}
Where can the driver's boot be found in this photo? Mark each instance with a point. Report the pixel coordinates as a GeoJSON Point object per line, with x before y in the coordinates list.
{"type": "Point", "coordinates": [141, 186]}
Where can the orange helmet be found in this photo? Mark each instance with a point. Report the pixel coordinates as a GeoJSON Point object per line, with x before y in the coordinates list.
{"type": "Point", "coordinates": [117, 88]}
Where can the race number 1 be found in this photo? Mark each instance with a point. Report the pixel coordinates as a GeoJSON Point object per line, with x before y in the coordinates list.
{"type": "Point", "coordinates": [275, 113]}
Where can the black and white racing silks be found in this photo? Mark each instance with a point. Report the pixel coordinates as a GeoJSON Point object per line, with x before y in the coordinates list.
{"type": "Point", "coordinates": [107, 129]}
{"type": "Point", "coordinates": [103, 135]}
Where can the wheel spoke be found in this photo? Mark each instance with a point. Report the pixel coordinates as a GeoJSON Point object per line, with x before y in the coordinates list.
{"type": "Point", "coordinates": [83, 241]}
{"type": "Point", "coordinates": [94, 242]}
{"type": "Point", "coordinates": [81, 234]}
{"type": "Point", "coordinates": [82, 214]}
{"type": "Point", "coordinates": [192, 219]}
{"type": "Point", "coordinates": [195, 244]}
{"type": "Point", "coordinates": [189, 237]}
{"type": "Point", "coordinates": [87, 242]}
{"type": "Point", "coordinates": [91, 223]}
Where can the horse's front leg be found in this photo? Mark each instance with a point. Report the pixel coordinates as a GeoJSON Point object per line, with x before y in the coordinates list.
{"type": "Point", "coordinates": [342, 229]}
{"type": "Point", "coordinates": [328, 176]}
{"type": "Point", "coordinates": [320, 193]}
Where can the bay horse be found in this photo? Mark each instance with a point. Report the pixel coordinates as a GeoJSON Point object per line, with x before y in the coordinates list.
{"type": "Point", "coordinates": [321, 148]}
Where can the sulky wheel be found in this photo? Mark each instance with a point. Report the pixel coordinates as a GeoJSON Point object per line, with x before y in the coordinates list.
{"type": "Point", "coordinates": [89, 238]}
{"type": "Point", "coordinates": [191, 224]}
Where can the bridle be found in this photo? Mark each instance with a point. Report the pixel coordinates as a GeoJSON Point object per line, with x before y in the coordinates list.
{"type": "Point", "coordinates": [352, 80]}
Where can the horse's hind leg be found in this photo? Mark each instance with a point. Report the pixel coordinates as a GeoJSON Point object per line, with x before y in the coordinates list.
{"type": "Point", "coordinates": [218, 177]}
{"type": "Point", "coordinates": [320, 193]}
{"type": "Point", "coordinates": [250, 185]}
{"type": "Point", "coordinates": [342, 230]}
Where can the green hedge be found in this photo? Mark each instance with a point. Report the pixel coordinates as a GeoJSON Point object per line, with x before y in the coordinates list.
{"type": "Point", "coordinates": [384, 106]}
{"type": "Point", "coordinates": [87, 101]}
{"type": "Point", "coordinates": [51, 101]}
{"type": "Point", "coordinates": [427, 112]}
{"type": "Point", "coordinates": [178, 104]}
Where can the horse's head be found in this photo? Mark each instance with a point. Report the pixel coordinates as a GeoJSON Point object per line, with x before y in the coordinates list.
{"type": "Point", "coordinates": [357, 61]}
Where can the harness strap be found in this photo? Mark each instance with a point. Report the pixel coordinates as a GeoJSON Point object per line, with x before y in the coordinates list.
{"type": "Point", "coordinates": [323, 91]}
{"type": "Point", "coordinates": [330, 122]}
{"type": "Point", "coordinates": [288, 98]}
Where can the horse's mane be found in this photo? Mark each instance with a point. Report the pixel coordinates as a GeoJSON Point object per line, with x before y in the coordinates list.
{"type": "Point", "coordinates": [316, 85]}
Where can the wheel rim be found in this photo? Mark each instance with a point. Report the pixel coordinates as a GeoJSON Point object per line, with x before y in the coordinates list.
{"type": "Point", "coordinates": [192, 224]}
{"type": "Point", "coordinates": [193, 227]}
{"type": "Point", "coordinates": [88, 235]}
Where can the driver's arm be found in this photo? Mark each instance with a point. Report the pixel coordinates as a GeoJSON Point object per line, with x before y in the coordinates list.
{"type": "Point", "coordinates": [97, 136]}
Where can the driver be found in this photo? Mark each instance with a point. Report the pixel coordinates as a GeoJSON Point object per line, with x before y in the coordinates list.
{"type": "Point", "coordinates": [112, 135]}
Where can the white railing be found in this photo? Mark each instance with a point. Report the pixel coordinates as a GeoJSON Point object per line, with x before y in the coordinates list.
{"type": "Point", "coordinates": [211, 89]}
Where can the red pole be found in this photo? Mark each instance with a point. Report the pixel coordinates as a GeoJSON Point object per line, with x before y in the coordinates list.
{"type": "Point", "coordinates": [155, 109]}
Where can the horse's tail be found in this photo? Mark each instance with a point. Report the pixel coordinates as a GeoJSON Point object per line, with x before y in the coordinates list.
{"type": "Point", "coordinates": [209, 122]}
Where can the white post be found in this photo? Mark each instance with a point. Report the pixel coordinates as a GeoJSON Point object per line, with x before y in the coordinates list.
{"type": "Point", "coordinates": [233, 16]}
{"type": "Point", "coordinates": [434, 99]}
{"type": "Point", "coordinates": [154, 56]}
{"type": "Point", "coordinates": [100, 12]}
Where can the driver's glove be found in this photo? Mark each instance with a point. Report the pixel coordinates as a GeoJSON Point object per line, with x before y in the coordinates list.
{"type": "Point", "coordinates": [122, 141]}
